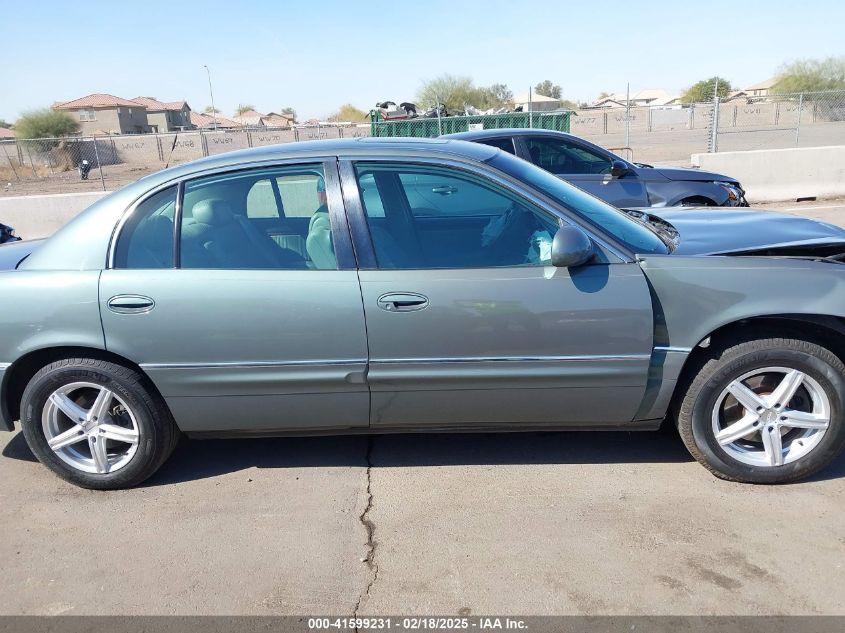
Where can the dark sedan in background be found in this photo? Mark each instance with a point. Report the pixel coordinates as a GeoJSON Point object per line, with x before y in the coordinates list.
{"type": "Point", "coordinates": [610, 177]}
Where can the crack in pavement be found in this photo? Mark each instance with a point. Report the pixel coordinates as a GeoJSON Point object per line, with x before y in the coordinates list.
{"type": "Point", "coordinates": [365, 520]}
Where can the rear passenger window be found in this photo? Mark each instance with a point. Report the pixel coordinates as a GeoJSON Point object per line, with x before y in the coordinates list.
{"type": "Point", "coordinates": [146, 240]}
{"type": "Point", "coordinates": [502, 143]}
{"type": "Point", "coordinates": [258, 219]}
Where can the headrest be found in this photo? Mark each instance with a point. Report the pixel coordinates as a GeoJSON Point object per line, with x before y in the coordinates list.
{"type": "Point", "coordinates": [319, 220]}
{"type": "Point", "coordinates": [157, 229]}
{"type": "Point", "coordinates": [214, 211]}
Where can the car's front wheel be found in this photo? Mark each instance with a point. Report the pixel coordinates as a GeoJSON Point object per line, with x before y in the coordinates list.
{"type": "Point", "coordinates": [765, 411]}
{"type": "Point", "coordinates": [96, 424]}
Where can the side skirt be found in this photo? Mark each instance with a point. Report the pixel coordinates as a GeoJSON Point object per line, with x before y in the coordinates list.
{"type": "Point", "coordinates": [639, 425]}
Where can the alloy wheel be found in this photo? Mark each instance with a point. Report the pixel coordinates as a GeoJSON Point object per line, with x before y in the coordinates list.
{"type": "Point", "coordinates": [90, 428]}
{"type": "Point", "coordinates": [771, 416]}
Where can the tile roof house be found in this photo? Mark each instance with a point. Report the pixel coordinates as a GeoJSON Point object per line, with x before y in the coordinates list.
{"type": "Point", "coordinates": [166, 116]}
{"type": "Point", "coordinates": [278, 119]}
{"type": "Point", "coordinates": [250, 118]}
{"type": "Point", "coordinates": [203, 121]}
{"type": "Point", "coordinates": [104, 113]}
{"type": "Point", "coordinates": [538, 102]}
{"type": "Point", "coordinates": [6, 133]}
{"type": "Point", "coordinates": [762, 88]}
{"type": "Point", "coordinates": [647, 97]}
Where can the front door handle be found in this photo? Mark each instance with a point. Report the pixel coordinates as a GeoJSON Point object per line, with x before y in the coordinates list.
{"type": "Point", "coordinates": [402, 301]}
{"type": "Point", "coordinates": [130, 304]}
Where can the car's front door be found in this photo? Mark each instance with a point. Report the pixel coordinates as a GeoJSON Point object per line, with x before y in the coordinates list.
{"type": "Point", "coordinates": [468, 325]}
{"type": "Point", "coordinates": [585, 167]}
{"type": "Point", "coordinates": [254, 322]}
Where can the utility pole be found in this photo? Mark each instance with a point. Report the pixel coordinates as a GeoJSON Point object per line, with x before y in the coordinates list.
{"type": "Point", "coordinates": [211, 92]}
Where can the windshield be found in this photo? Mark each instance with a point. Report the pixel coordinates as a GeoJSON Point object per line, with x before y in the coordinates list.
{"type": "Point", "coordinates": [635, 235]}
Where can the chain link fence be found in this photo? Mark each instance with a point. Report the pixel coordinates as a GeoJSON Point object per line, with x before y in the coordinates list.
{"type": "Point", "coordinates": [666, 134]}
{"type": "Point", "coordinates": [670, 134]}
{"type": "Point", "coordinates": [52, 165]}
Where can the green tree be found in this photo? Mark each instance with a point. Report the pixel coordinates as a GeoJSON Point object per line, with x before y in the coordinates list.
{"type": "Point", "coordinates": [702, 91]}
{"type": "Point", "coordinates": [246, 107]}
{"type": "Point", "coordinates": [456, 92]}
{"type": "Point", "coordinates": [290, 111]}
{"type": "Point", "coordinates": [548, 89]}
{"type": "Point", "coordinates": [500, 94]}
{"type": "Point", "coordinates": [5, 124]}
{"type": "Point", "coordinates": [45, 123]}
{"type": "Point", "coordinates": [811, 75]}
{"type": "Point", "coordinates": [211, 110]}
{"type": "Point", "coordinates": [450, 90]}
{"type": "Point", "coordinates": [348, 112]}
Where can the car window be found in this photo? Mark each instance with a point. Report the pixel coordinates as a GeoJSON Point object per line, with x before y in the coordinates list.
{"type": "Point", "coordinates": [286, 195]}
{"type": "Point", "coordinates": [432, 217]}
{"type": "Point", "coordinates": [635, 235]}
{"type": "Point", "coordinates": [146, 240]}
{"type": "Point", "coordinates": [563, 157]}
{"type": "Point", "coordinates": [261, 200]}
{"type": "Point", "coordinates": [505, 144]}
{"type": "Point", "coordinates": [370, 196]}
{"type": "Point", "coordinates": [258, 219]}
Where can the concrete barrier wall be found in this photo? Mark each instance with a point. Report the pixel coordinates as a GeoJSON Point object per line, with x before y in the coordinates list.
{"type": "Point", "coordinates": [41, 216]}
{"type": "Point", "coordinates": [772, 175]}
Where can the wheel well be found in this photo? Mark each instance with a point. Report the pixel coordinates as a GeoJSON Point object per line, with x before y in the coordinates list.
{"type": "Point", "coordinates": [22, 370]}
{"type": "Point", "coordinates": [826, 331]}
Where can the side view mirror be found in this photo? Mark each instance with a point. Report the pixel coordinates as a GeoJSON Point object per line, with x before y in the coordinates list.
{"type": "Point", "coordinates": [618, 169]}
{"type": "Point", "coordinates": [571, 247]}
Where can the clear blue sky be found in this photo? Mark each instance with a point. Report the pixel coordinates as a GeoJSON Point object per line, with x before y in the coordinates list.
{"type": "Point", "coordinates": [317, 55]}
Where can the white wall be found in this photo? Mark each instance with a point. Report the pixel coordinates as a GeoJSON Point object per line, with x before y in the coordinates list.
{"type": "Point", "coordinates": [772, 175]}
{"type": "Point", "coordinates": [41, 216]}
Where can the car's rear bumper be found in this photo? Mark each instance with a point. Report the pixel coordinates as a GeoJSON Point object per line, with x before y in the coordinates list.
{"type": "Point", "coordinates": [6, 424]}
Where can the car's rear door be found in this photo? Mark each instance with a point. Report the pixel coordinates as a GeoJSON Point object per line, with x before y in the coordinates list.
{"type": "Point", "coordinates": [585, 166]}
{"type": "Point", "coordinates": [467, 328]}
{"type": "Point", "coordinates": [254, 322]}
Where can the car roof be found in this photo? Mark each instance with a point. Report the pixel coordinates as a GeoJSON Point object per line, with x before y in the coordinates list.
{"type": "Point", "coordinates": [504, 132]}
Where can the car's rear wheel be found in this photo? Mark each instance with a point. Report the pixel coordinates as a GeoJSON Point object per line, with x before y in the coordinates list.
{"type": "Point", "coordinates": [96, 424]}
{"type": "Point", "coordinates": [765, 411]}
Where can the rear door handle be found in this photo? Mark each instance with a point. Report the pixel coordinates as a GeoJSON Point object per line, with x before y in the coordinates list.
{"type": "Point", "coordinates": [130, 304]}
{"type": "Point", "coordinates": [444, 190]}
{"type": "Point", "coordinates": [402, 301]}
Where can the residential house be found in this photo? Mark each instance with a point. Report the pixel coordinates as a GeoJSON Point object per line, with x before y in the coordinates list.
{"type": "Point", "coordinates": [536, 102]}
{"type": "Point", "coordinates": [276, 119]}
{"type": "Point", "coordinates": [6, 133]}
{"type": "Point", "coordinates": [106, 114]}
{"type": "Point", "coordinates": [170, 116]}
{"type": "Point", "coordinates": [250, 118]}
{"type": "Point", "coordinates": [653, 97]}
{"type": "Point", "coordinates": [203, 121]}
{"type": "Point", "coordinates": [762, 88]}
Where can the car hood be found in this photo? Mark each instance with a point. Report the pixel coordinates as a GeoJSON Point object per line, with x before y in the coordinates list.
{"type": "Point", "coordinates": [685, 173]}
{"type": "Point", "coordinates": [11, 253]}
{"type": "Point", "coordinates": [709, 231]}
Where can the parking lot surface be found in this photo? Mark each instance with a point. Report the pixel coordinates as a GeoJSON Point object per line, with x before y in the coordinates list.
{"type": "Point", "coordinates": [537, 523]}
{"type": "Point", "coordinates": [555, 523]}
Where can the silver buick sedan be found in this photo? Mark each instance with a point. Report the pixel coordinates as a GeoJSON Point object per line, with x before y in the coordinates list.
{"type": "Point", "coordinates": [371, 286]}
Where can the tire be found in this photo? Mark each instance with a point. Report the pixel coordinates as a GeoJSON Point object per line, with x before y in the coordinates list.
{"type": "Point", "coordinates": [130, 411]}
{"type": "Point", "coordinates": [705, 405]}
